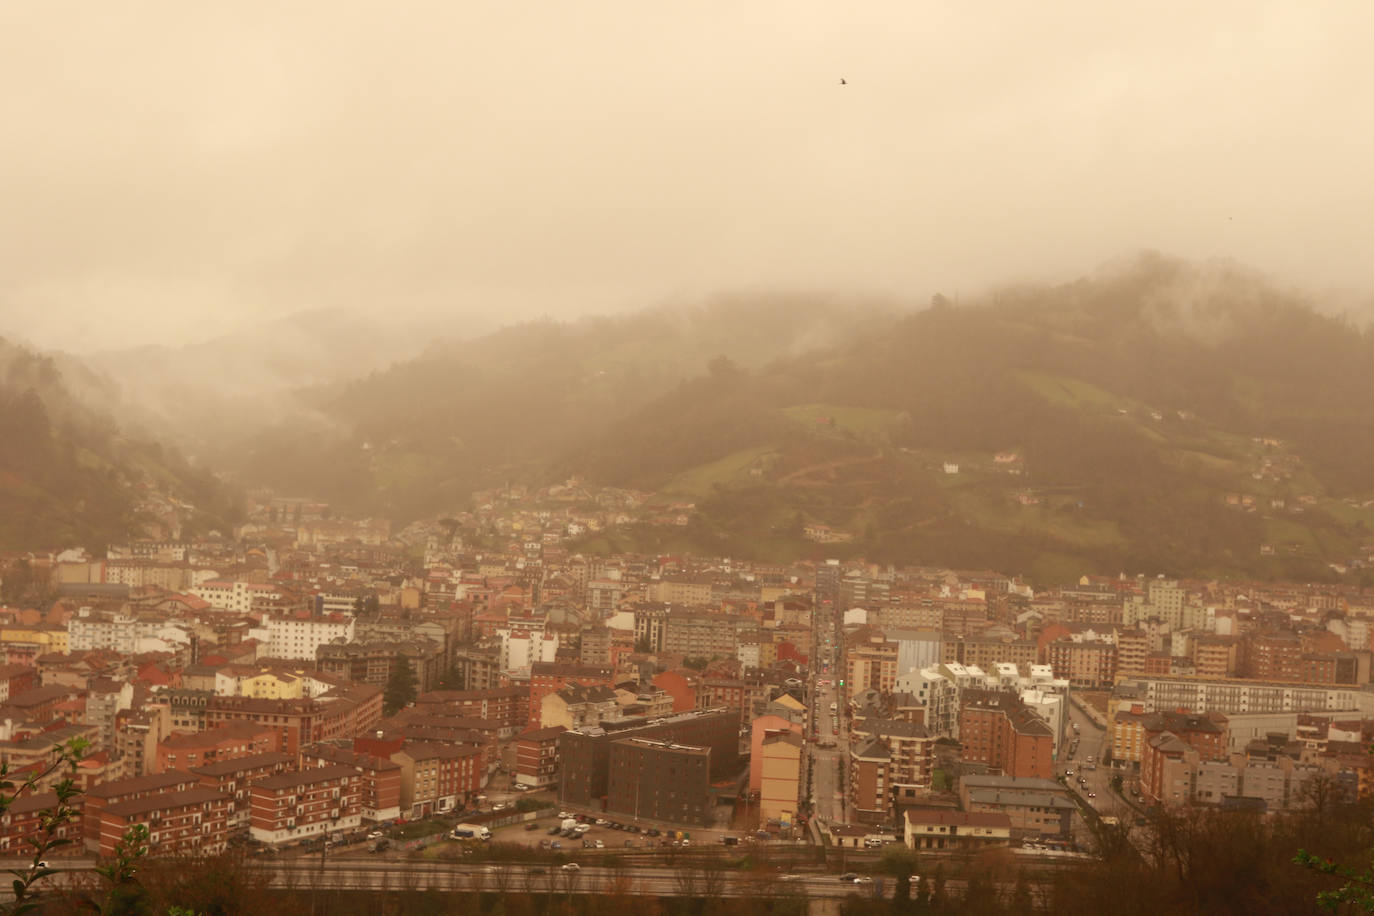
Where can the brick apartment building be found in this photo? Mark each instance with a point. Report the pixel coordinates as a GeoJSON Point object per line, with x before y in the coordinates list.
{"type": "Point", "coordinates": [15, 680]}
{"type": "Point", "coordinates": [311, 802]}
{"type": "Point", "coordinates": [536, 757]}
{"type": "Point", "coordinates": [191, 820]}
{"type": "Point", "coordinates": [507, 707]}
{"type": "Point", "coordinates": [224, 742]}
{"type": "Point", "coordinates": [24, 818]}
{"type": "Point", "coordinates": [438, 778]}
{"type": "Point", "coordinates": [373, 662]}
{"type": "Point", "coordinates": [234, 777]}
{"type": "Point", "coordinates": [891, 769]}
{"type": "Point", "coordinates": [550, 677]}
{"type": "Point", "coordinates": [380, 795]}
{"type": "Point", "coordinates": [872, 666]}
{"type": "Point", "coordinates": [997, 729]}
{"type": "Point", "coordinates": [1085, 663]}
{"type": "Point", "coordinates": [657, 780]}
{"type": "Point", "coordinates": [101, 796]}
{"type": "Point", "coordinates": [870, 790]}
{"type": "Point", "coordinates": [342, 713]}
{"type": "Point", "coordinates": [584, 754]}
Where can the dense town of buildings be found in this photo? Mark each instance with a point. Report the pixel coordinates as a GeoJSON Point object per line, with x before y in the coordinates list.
{"type": "Point", "coordinates": [235, 687]}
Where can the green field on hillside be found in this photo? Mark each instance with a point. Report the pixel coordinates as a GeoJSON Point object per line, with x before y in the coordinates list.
{"type": "Point", "coordinates": [732, 470]}
{"type": "Point", "coordinates": [872, 423]}
{"type": "Point", "coordinates": [1071, 392]}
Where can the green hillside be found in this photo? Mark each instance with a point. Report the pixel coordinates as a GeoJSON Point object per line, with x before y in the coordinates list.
{"type": "Point", "coordinates": [1144, 440]}
{"type": "Point", "coordinates": [1163, 417]}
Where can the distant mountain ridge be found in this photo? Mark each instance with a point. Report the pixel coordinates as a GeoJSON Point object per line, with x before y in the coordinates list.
{"type": "Point", "coordinates": [1165, 416]}
{"type": "Point", "coordinates": [1156, 416]}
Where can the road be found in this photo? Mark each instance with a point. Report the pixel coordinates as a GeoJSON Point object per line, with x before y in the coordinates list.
{"type": "Point", "coordinates": [827, 788]}
{"type": "Point", "coordinates": [516, 878]}
{"type": "Point", "coordinates": [1098, 792]}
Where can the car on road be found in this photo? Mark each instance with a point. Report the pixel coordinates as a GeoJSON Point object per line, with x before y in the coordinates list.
{"type": "Point", "coordinates": [864, 879]}
{"type": "Point", "coordinates": [531, 826]}
{"type": "Point", "coordinates": [789, 877]}
{"type": "Point", "coordinates": [601, 845]}
{"type": "Point", "coordinates": [555, 845]}
{"type": "Point", "coordinates": [555, 830]}
{"type": "Point", "coordinates": [539, 871]}
{"type": "Point", "coordinates": [41, 863]}
{"type": "Point", "coordinates": [572, 866]}
{"type": "Point", "coordinates": [850, 877]}
{"type": "Point", "coordinates": [1092, 795]}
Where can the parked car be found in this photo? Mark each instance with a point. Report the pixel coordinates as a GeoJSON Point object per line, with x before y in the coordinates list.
{"type": "Point", "coordinates": [572, 866]}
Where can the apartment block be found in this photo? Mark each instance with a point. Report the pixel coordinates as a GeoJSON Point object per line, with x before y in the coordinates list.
{"type": "Point", "coordinates": [659, 780]}
{"type": "Point", "coordinates": [317, 801]}
{"type": "Point", "coordinates": [192, 821]}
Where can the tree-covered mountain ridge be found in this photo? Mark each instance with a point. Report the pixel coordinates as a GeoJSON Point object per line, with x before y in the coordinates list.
{"type": "Point", "coordinates": [69, 477]}
{"type": "Point", "coordinates": [1156, 416]}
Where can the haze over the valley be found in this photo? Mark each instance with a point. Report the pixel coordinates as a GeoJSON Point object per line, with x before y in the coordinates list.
{"type": "Point", "coordinates": [173, 171]}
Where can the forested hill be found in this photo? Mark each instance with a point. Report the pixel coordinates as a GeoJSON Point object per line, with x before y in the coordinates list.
{"type": "Point", "coordinates": [1160, 416]}
{"type": "Point", "coordinates": [68, 477]}
{"type": "Point", "coordinates": [420, 436]}
{"type": "Point", "coordinates": [1156, 416]}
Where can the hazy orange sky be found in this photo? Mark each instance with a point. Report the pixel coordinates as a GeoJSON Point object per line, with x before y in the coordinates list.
{"type": "Point", "coordinates": [171, 170]}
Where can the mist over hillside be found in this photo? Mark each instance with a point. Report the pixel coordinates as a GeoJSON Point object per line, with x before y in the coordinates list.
{"type": "Point", "coordinates": [1142, 404]}
{"type": "Point", "coordinates": [1156, 415]}
{"type": "Point", "coordinates": [69, 476]}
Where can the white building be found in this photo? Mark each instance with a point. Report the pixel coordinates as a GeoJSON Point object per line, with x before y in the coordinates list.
{"type": "Point", "coordinates": [288, 637]}
{"type": "Point", "coordinates": [521, 648]}
{"type": "Point", "coordinates": [118, 632]}
{"type": "Point", "coordinates": [940, 688]}
{"type": "Point", "coordinates": [237, 597]}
